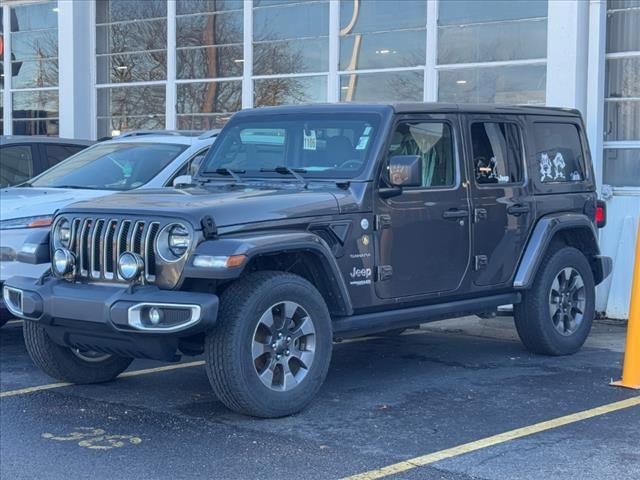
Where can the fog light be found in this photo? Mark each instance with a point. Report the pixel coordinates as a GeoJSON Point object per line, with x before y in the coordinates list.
{"type": "Point", "coordinates": [155, 316]}
{"type": "Point", "coordinates": [130, 265]}
{"type": "Point", "coordinates": [63, 262]}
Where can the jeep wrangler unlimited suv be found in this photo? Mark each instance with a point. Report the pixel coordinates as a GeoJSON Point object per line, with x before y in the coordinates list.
{"type": "Point", "coordinates": [308, 223]}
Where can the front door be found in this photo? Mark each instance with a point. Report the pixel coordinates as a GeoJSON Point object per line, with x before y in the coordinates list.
{"type": "Point", "coordinates": [501, 197]}
{"type": "Point", "coordinates": [423, 234]}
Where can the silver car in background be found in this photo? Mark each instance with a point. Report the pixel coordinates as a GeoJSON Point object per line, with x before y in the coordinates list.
{"type": "Point", "coordinates": [135, 160]}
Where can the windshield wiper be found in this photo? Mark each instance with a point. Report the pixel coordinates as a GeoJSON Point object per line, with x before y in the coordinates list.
{"type": "Point", "coordinates": [74, 187]}
{"type": "Point", "coordinates": [230, 173]}
{"type": "Point", "coordinates": [281, 169]}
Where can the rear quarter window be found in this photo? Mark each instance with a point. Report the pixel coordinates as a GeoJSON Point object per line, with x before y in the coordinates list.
{"type": "Point", "coordinates": [559, 158]}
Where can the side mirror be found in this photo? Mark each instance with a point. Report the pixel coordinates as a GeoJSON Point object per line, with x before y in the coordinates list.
{"type": "Point", "coordinates": [182, 181]}
{"type": "Point", "coordinates": [405, 171]}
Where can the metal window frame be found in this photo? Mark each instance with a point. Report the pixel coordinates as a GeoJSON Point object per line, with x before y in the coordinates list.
{"type": "Point", "coordinates": [598, 30]}
{"type": "Point", "coordinates": [7, 87]}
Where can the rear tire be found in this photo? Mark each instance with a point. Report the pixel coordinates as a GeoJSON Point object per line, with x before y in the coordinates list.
{"type": "Point", "coordinates": [271, 350]}
{"type": "Point", "coordinates": [67, 365]}
{"type": "Point", "coordinates": [557, 312]}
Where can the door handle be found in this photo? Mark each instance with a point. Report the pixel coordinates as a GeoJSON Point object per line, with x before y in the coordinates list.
{"type": "Point", "coordinates": [518, 209]}
{"type": "Point", "coordinates": [455, 213]}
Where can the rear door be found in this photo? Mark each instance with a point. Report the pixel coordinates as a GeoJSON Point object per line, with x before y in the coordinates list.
{"type": "Point", "coordinates": [423, 235]}
{"type": "Point", "coordinates": [503, 203]}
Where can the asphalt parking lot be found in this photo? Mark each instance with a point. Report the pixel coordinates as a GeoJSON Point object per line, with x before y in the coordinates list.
{"type": "Point", "coordinates": [387, 402]}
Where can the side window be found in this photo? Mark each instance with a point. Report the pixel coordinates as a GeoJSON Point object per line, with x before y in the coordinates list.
{"type": "Point", "coordinates": [433, 142]}
{"type": "Point", "coordinates": [497, 153]}
{"type": "Point", "coordinates": [56, 153]}
{"type": "Point", "coordinates": [559, 152]}
{"type": "Point", "coordinates": [16, 165]}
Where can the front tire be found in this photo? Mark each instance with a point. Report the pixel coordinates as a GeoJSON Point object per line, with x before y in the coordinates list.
{"type": "Point", "coordinates": [69, 365]}
{"type": "Point", "coordinates": [556, 314]}
{"type": "Point", "coordinates": [270, 353]}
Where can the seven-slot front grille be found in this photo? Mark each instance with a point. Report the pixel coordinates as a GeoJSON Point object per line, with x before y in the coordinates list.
{"type": "Point", "coordinates": [98, 242]}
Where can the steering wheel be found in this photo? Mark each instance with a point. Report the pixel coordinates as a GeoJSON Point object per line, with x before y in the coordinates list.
{"type": "Point", "coordinates": [351, 164]}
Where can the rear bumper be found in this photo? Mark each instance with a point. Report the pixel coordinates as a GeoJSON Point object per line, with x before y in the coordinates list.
{"type": "Point", "coordinates": [110, 318]}
{"type": "Point", "coordinates": [602, 267]}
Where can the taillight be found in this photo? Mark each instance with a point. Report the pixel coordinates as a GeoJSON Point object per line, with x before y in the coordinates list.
{"type": "Point", "coordinates": [601, 214]}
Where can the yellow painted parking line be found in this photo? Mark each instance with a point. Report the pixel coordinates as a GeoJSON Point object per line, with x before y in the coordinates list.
{"type": "Point", "coordinates": [132, 373]}
{"type": "Point", "coordinates": [494, 440]}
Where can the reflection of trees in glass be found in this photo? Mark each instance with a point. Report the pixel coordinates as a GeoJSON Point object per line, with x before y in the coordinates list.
{"type": "Point", "coordinates": [275, 58]}
{"type": "Point", "coordinates": [210, 60]}
{"type": "Point", "coordinates": [40, 63]}
{"type": "Point", "coordinates": [196, 100]}
{"type": "Point", "coordinates": [134, 107]}
{"type": "Point", "coordinates": [280, 91]}
{"type": "Point", "coordinates": [149, 37]}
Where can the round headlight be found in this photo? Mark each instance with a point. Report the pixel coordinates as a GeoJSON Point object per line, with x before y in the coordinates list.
{"type": "Point", "coordinates": [179, 240]}
{"type": "Point", "coordinates": [62, 234]}
{"type": "Point", "coordinates": [173, 242]}
{"type": "Point", "coordinates": [130, 265]}
{"type": "Point", "coordinates": [63, 262]}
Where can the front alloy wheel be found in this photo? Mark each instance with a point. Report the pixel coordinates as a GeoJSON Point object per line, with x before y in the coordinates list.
{"type": "Point", "coordinates": [270, 351]}
{"type": "Point", "coordinates": [284, 345]}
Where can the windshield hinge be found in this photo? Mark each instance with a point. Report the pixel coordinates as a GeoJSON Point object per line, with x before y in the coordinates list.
{"type": "Point", "coordinates": [382, 222]}
{"type": "Point", "coordinates": [209, 228]}
{"type": "Point", "coordinates": [384, 272]}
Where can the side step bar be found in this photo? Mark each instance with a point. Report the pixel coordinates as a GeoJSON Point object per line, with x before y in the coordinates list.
{"type": "Point", "coordinates": [369, 323]}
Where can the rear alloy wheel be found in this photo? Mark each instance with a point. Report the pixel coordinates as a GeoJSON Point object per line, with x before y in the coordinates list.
{"type": "Point", "coordinates": [567, 301]}
{"type": "Point", "coordinates": [270, 352]}
{"type": "Point", "coordinates": [556, 313]}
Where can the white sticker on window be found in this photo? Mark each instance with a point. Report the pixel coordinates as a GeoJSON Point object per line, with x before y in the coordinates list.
{"type": "Point", "coordinates": [367, 132]}
{"type": "Point", "coordinates": [553, 170]}
{"type": "Point", "coordinates": [545, 167]}
{"type": "Point", "coordinates": [558, 162]}
{"type": "Point", "coordinates": [309, 142]}
{"type": "Point", "coordinates": [362, 143]}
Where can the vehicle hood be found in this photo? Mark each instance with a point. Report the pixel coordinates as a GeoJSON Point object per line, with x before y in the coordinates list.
{"type": "Point", "coordinates": [33, 202]}
{"type": "Point", "coordinates": [227, 205]}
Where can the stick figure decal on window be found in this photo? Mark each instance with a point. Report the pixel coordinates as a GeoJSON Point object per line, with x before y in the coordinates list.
{"type": "Point", "coordinates": [554, 170]}
{"type": "Point", "coordinates": [545, 167]}
{"type": "Point", "coordinates": [559, 164]}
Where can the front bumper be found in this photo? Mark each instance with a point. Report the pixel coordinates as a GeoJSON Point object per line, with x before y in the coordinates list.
{"type": "Point", "coordinates": [107, 318]}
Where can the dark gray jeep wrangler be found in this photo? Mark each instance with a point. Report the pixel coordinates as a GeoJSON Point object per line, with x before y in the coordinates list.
{"type": "Point", "coordinates": [309, 223]}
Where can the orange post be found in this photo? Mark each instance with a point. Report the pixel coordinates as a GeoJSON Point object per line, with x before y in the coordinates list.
{"type": "Point", "coordinates": [631, 368]}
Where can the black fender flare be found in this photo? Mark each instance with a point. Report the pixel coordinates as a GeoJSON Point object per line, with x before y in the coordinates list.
{"type": "Point", "coordinates": [541, 237]}
{"type": "Point", "coordinates": [266, 243]}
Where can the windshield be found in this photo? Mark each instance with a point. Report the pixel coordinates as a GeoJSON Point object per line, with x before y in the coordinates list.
{"type": "Point", "coordinates": [315, 145]}
{"type": "Point", "coordinates": [110, 166]}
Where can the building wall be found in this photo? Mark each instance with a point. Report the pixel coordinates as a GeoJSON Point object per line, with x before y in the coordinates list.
{"type": "Point", "coordinates": [96, 68]}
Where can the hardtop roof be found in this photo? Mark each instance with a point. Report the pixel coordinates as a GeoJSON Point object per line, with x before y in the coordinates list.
{"type": "Point", "coordinates": [412, 107]}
